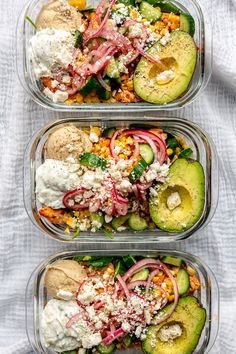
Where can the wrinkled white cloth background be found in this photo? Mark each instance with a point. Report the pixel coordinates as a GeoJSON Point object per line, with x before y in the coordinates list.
{"type": "Point", "coordinates": [22, 247]}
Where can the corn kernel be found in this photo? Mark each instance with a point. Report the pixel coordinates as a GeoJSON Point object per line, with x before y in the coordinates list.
{"type": "Point", "coordinates": [191, 271]}
{"type": "Point", "coordinates": [178, 150]}
{"type": "Point", "coordinates": [169, 152]}
{"type": "Point", "coordinates": [79, 98]}
{"type": "Point", "coordinates": [96, 130]}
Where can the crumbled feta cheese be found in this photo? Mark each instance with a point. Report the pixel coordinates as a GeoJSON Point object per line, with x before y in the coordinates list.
{"type": "Point", "coordinates": [57, 97]}
{"type": "Point", "coordinates": [108, 219]}
{"type": "Point", "coordinates": [121, 228]}
{"type": "Point", "coordinates": [126, 326]}
{"type": "Point", "coordinates": [136, 30]}
{"type": "Point", "coordinates": [164, 40]}
{"type": "Point", "coordinates": [65, 295]}
{"type": "Point", "coordinates": [169, 333]}
{"type": "Point", "coordinates": [66, 79]}
{"type": "Point", "coordinates": [165, 75]}
{"type": "Point", "coordinates": [91, 340]}
{"type": "Point", "coordinates": [173, 201]}
{"type": "Point", "coordinates": [54, 83]}
{"type": "Point", "coordinates": [93, 137]}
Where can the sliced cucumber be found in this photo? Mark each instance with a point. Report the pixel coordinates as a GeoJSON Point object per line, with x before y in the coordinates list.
{"type": "Point", "coordinates": [108, 132]}
{"type": "Point", "coordinates": [127, 341]}
{"type": "Point", "coordinates": [106, 349]}
{"type": "Point", "coordinates": [93, 160]}
{"type": "Point", "coordinates": [165, 6]}
{"type": "Point", "coordinates": [138, 170]}
{"type": "Point", "coordinates": [119, 221]}
{"type": "Point", "coordinates": [187, 24]}
{"type": "Point", "coordinates": [137, 223]}
{"type": "Point", "coordinates": [112, 70]}
{"type": "Point", "coordinates": [97, 219]}
{"type": "Point", "coordinates": [101, 92]}
{"type": "Point", "coordinates": [141, 275]}
{"type": "Point", "coordinates": [149, 12]}
{"type": "Point", "coordinates": [172, 261]}
{"type": "Point", "coordinates": [182, 280]}
{"type": "Point", "coordinates": [147, 153]}
{"type": "Point", "coordinates": [129, 261]}
{"type": "Point", "coordinates": [89, 86]}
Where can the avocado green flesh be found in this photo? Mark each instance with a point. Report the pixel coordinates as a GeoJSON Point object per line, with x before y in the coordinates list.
{"type": "Point", "coordinates": [178, 55]}
{"type": "Point", "coordinates": [190, 317]}
{"type": "Point", "coordinates": [187, 178]}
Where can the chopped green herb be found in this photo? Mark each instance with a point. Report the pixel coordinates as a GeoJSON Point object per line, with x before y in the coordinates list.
{"type": "Point", "coordinates": [186, 153]}
{"type": "Point", "coordinates": [108, 233]}
{"type": "Point", "coordinates": [78, 39]}
{"type": "Point", "coordinates": [31, 21]}
{"type": "Point", "coordinates": [76, 233]}
{"type": "Point", "coordinates": [172, 143]}
{"type": "Point", "coordinates": [94, 261]}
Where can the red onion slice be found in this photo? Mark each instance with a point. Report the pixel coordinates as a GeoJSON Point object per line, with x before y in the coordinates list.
{"type": "Point", "coordinates": [123, 285]}
{"type": "Point", "coordinates": [70, 195]}
{"type": "Point", "coordinates": [113, 336]}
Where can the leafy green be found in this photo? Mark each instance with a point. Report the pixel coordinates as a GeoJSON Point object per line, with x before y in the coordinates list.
{"type": "Point", "coordinates": [76, 233]}
{"type": "Point", "coordinates": [94, 261]}
{"type": "Point", "coordinates": [172, 143]}
{"type": "Point", "coordinates": [120, 268]}
{"type": "Point", "coordinates": [186, 153]}
{"type": "Point", "coordinates": [78, 39]}
{"type": "Point", "coordinates": [31, 22]}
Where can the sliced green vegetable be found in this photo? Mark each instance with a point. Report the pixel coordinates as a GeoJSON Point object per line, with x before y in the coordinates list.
{"type": "Point", "coordinates": [137, 223]}
{"type": "Point", "coordinates": [120, 268]}
{"type": "Point", "coordinates": [129, 261]}
{"type": "Point", "coordinates": [165, 6]}
{"type": "Point", "coordinates": [31, 22]}
{"type": "Point", "coordinates": [187, 24]}
{"type": "Point", "coordinates": [141, 275]}
{"type": "Point", "coordinates": [112, 70]}
{"type": "Point", "coordinates": [127, 341]}
{"type": "Point", "coordinates": [108, 233]}
{"type": "Point", "coordinates": [88, 9]}
{"type": "Point", "coordinates": [147, 153]}
{"type": "Point", "coordinates": [119, 221]}
{"type": "Point", "coordinates": [126, 2]}
{"type": "Point", "coordinates": [108, 132]}
{"type": "Point", "coordinates": [149, 12]}
{"type": "Point", "coordinates": [76, 233]}
{"type": "Point", "coordinates": [186, 153]}
{"type": "Point", "coordinates": [172, 143]}
{"type": "Point", "coordinates": [89, 86]}
{"type": "Point", "coordinates": [93, 160]}
{"type": "Point", "coordinates": [106, 349]}
{"type": "Point", "coordinates": [78, 39]}
{"type": "Point", "coordinates": [101, 92]}
{"type": "Point", "coordinates": [138, 170]}
{"type": "Point", "coordinates": [182, 280]}
{"type": "Point", "coordinates": [97, 219]}
{"type": "Point", "coordinates": [172, 261]}
{"type": "Point", "coordinates": [94, 261]}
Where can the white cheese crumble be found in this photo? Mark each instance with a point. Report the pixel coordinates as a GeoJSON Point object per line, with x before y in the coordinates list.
{"type": "Point", "coordinates": [165, 75]}
{"type": "Point", "coordinates": [173, 201]}
{"type": "Point", "coordinates": [57, 97]}
{"type": "Point", "coordinates": [65, 295]}
{"type": "Point", "coordinates": [169, 333]}
{"type": "Point", "coordinates": [136, 30]}
{"type": "Point", "coordinates": [93, 137]}
{"type": "Point", "coordinates": [164, 40]}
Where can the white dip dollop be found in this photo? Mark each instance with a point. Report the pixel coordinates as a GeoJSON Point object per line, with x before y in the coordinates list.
{"type": "Point", "coordinates": [61, 336]}
{"type": "Point", "coordinates": [50, 49]}
{"type": "Point", "coordinates": [54, 178]}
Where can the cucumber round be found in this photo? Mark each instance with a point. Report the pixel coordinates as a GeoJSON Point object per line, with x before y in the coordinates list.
{"type": "Point", "coordinates": [147, 153]}
{"type": "Point", "coordinates": [89, 86]}
{"type": "Point", "coordinates": [182, 280]}
{"type": "Point", "coordinates": [149, 12]}
{"type": "Point", "coordinates": [93, 160]}
{"type": "Point", "coordinates": [172, 261]}
{"type": "Point", "coordinates": [137, 223]}
{"type": "Point", "coordinates": [112, 70]}
{"type": "Point", "coordinates": [106, 349]}
{"type": "Point", "coordinates": [97, 218]}
{"type": "Point", "coordinates": [119, 221]}
{"type": "Point", "coordinates": [141, 275]}
{"type": "Point", "coordinates": [138, 170]}
{"type": "Point", "coordinates": [187, 24]}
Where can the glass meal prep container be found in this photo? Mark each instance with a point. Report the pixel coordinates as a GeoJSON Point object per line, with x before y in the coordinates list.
{"type": "Point", "coordinates": [208, 295]}
{"type": "Point", "coordinates": [199, 81]}
{"type": "Point", "coordinates": [203, 151]}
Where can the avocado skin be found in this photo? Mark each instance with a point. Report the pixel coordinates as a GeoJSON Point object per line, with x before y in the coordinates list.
{"type": "Point", "coordinates": [186, 177]}
{"type": "Point", "coordinates": [181, 47]}
{"type": "Point", "coordinates": [190, 316]}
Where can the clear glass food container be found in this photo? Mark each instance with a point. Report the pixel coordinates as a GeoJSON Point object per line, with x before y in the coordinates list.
{"type": "Point", "coordinates": [203, 40]}
{"type": "Point", "coordinates": [37, 296]}
{"type": "Point", "coordinates": [203, 151]}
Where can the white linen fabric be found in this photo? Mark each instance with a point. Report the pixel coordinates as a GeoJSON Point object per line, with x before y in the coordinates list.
{"type": "Point", "coordinates": [22, 246]}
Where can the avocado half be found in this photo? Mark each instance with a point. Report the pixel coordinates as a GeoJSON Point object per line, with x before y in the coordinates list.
{"type": "Point", "coordinates": [186, 177]}
{"type": "Point", "coordinates": [191, 319]}
{"type": "Point", "coordinates": [178, 55]}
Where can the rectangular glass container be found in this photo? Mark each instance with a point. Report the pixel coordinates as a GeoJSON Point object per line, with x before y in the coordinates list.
{"type": "Point", "coordinates": [203, 151]}
{"type": "Point", "coordinates": [208, 295]}
{"type": "Point", "coordinates": [202, 37]}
